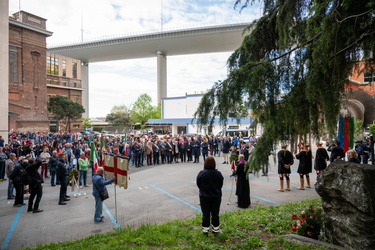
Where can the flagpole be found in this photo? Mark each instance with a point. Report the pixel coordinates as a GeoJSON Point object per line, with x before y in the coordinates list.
{"type": "Point", "coordinates": [115, 176]}
{"type": "Point", "coordinates": [116, 201]}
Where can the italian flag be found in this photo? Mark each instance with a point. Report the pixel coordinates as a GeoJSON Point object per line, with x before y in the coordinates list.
{"type": "Point", "coordinates": [94, 157]}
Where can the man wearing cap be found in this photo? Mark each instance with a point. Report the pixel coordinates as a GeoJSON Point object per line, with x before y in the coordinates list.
{"type": "Point", "coordinates": [99, 185]}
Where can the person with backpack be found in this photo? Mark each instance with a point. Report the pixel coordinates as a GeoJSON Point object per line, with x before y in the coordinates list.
{"type": "Point", "coordinates": [15, 178]}
{"type": "Point", "coordinates": [35, 185]}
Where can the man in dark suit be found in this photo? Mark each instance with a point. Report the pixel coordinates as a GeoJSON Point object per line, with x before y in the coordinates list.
{"type": "Point", "coordinates": [62, 174]}
{"type": "Point", "coordinates": [244, 151]}
{"type": "Point", "coordinates": [196, 145]}
{"type": "Point", "coordinates": [35, 186]}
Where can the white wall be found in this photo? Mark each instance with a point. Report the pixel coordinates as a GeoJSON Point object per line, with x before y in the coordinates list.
{"type": "Point", "coordinates": [185, 107]}
{"type": "Point", "coordinates": [181, 107]}
{"type": "Point", "coordinates": [174, 108]}
{"type": "Point", "coordinates": [192, 103]}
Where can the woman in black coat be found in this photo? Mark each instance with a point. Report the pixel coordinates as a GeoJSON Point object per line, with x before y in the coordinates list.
{"type": "Point", "coordinates": [321, 158]}
{"type": "Point", "coordinates": [243, 186]}
{"type": "Point", "coordinates": [285, 160]}
{"type": "Point", "coordinates": [210, 181]}
{"type": "Point", "coordinates": [305, 166]}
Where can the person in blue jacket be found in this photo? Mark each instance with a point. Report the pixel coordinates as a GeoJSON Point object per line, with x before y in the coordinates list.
{"type": "Point", "coordinates": [99, 184]}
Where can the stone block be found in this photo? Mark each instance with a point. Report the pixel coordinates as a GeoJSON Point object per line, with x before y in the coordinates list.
{"type": "Point", "coordinates": [348, 199]}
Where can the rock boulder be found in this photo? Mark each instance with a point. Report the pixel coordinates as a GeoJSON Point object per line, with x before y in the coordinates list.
{"type": "Point", "coordinates": [348, 198]}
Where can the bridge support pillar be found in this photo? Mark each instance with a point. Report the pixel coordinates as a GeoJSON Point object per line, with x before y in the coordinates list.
{"type": "Point", "coordinates": [161, 76]}
{"type": "Point", "coordinates": [85, 86]}
{"type": "Point", "coordinates": [4, 69]}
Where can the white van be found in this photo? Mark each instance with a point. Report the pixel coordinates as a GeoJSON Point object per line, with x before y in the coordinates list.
{"type": "Point", "coordinates": [232, 132]}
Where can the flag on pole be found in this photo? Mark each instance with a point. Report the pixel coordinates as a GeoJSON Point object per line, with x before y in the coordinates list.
{"type": "Point", "coordinates": [94, 157]}
{"type": "Point", "coordinates": [125, 139]}
{"type": "Point", "coordinates": [121, 169]}
{"type": "Point", "coordinates": [125, 144]}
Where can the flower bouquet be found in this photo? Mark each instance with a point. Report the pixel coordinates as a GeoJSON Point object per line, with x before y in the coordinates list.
{"type": "Point", "coordinates": [309, 223]}
{"type": "Point", "coordinates": [73, 177]}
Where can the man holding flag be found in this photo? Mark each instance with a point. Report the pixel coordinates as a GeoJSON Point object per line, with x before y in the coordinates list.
{"type": "Point", "coordinates": [94, 158]}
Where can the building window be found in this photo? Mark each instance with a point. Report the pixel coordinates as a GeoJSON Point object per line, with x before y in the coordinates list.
{"type": "Point", "coordinates": [369, 77]}
{"type": "Point", "coordinates": [75, 126]}
{"type": "Point", "coordinates": [75, 98]}
{"type": "Point", "coordinates": [13, 72]}
{"type": "Point", "coordinates": [63, 67]}
{"type": "Point", "coordinates": [49, 81]}
{"type": "Point", "coordinates": [52, 65]}
{"type": "Point", "coordinates": [64, 83]}
{"type": "Point", "coordinates": [75, 70]}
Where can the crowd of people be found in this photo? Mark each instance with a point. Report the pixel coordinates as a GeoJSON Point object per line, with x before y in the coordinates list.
{"type": "Point", "coordinates": [359, 154]}
{"type": "Point", "coordinates": [30, 158]}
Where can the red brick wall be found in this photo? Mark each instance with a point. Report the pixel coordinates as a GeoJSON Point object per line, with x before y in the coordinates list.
{"type": "Point", "coordinates": [28, 96]}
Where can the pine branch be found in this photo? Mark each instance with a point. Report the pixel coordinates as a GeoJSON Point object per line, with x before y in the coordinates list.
{"type": "Point", "coordinates": [354, 43]}
{"type": "Point", "coordinates": [353, 16]}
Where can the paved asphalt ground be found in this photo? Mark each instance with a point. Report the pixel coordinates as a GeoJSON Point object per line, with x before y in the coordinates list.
{"type": "Point", "coordinates": [156, 194]}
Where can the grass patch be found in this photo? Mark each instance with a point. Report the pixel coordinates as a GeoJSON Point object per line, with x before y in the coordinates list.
{"type": "Point", "coordinates": [259, 227]}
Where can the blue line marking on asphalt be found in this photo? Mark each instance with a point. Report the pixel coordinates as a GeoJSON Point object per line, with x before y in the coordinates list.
{"type": "Point", "coordinates": [260, 198]}
{"type": "Point", "coordinates": [111, 216]}
{"type": "Point", "coordinates": [169, 182]}
{"type": "Point", "coordinates": [11, 229]}
{"type": "Point", "coordinates": [275, 181]}
{"type": "Point", "coordinates": [176, 198]}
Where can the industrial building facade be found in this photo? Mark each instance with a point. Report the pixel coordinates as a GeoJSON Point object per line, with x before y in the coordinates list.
{"type": "Point", "coordinates": [34, 75]}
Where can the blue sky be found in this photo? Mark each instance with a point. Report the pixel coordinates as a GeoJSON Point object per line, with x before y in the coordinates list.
{"type": "Point", "coordinates": [121, 82]}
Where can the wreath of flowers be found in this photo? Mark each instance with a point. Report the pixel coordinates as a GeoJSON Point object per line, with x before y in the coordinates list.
{"type": "Point", "coordinates": [309, 223]}
{"type": "Point", "coordinates": [73, 173]}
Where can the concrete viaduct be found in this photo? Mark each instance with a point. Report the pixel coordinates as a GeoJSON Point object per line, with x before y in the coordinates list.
{"type": "Point", "coordinates": [211, 39]}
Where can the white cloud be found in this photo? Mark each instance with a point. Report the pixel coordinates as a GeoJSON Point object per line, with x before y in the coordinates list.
{"type": "Point", "coordinates": [121, 82]}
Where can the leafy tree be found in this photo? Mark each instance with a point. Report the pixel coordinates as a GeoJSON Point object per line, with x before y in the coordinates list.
{"type": "Point", "coordinates": [119, 116]}
{"type": "Point", "coordinates": [63, 108]}
{"type": "Point", "coordinates": [142, 109]}
{"type": "Point", "coordinates": [156, 112]}
{"type": "Point", "coordinates": [86, 122]}
{"type": "Point", "coordinates": [293, 66]}
{"type": "Point", "coordinates": [358, 129]}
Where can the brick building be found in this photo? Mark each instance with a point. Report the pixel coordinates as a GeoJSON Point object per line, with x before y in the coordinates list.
{"type": "Point", "coordinates": [34, 75]}
{"type": "Point", "coordinates": [359, 98]}
{"type": "Point", "coordinates": [63, 78]}
{"type": "Point", "coordinates": [27, 75]}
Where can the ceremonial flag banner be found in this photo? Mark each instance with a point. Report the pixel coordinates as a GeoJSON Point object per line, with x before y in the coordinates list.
{"type": "Point", "coordinates": [122, 171]}
{"type": "Point", "coordinates": [101, 143]}
{"type": "Point", "coordinates": [108, 166]}
{"type": "Point", "coordinates": [94, 157]}
{"type": "Point", "coordinates": [117, 167]}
